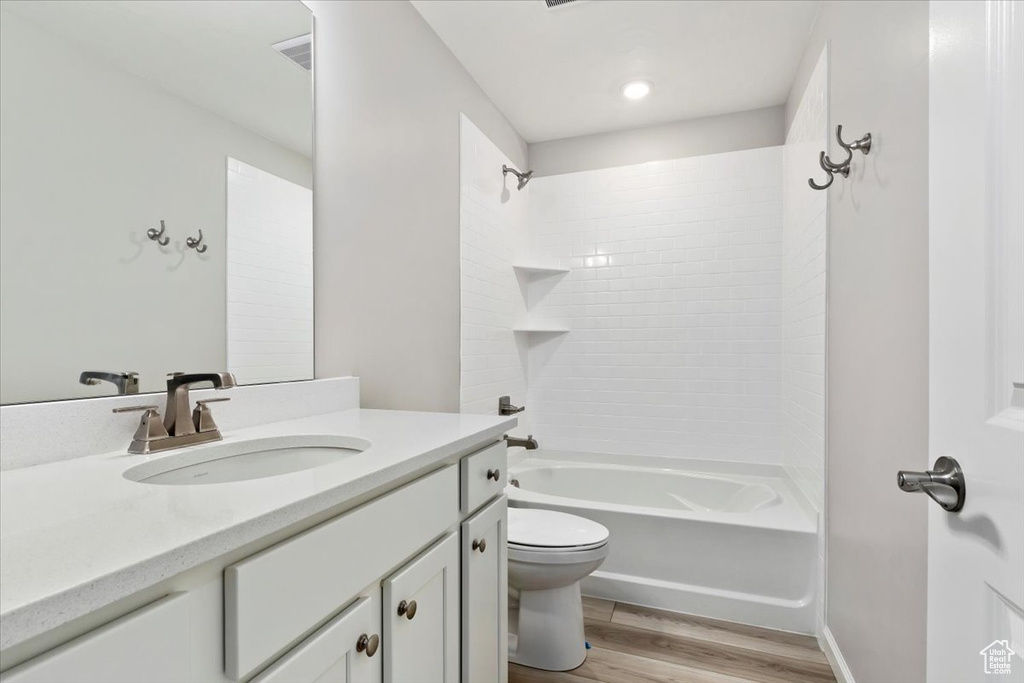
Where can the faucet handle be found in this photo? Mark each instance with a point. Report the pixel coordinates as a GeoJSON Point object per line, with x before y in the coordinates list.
{"type": "Point", "coordinates": [202, 417]}
{"type": "Point", "coordinates": [134, 409]}
{"type": "Point", "coordinates": [151, 427]}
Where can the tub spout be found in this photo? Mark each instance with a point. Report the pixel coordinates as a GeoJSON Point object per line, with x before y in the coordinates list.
{"type": "Point", "coordinates": [529, 443]}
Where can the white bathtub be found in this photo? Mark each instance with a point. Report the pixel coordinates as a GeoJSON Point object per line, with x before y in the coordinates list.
{"type": "Point", "coordinates": [731, 541]}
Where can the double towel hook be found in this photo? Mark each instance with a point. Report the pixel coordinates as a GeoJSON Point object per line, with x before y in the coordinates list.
{"type": "Point", "coordinates": [194, 243]}
{"type": "Point", "coordinates": [843, 168]}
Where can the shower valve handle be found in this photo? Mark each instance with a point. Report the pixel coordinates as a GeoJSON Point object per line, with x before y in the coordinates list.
{"type": "Point", "coordinates": [505, 406]}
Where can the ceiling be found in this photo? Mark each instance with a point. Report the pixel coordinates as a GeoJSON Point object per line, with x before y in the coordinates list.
{"type": "Point", "coordinates": [216, 54]}
{"type": "Point", "coordinates": [559, 72]}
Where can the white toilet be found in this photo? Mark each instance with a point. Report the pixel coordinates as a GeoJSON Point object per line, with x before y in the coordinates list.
{"type": "Point", "coordinates": [548, 554]}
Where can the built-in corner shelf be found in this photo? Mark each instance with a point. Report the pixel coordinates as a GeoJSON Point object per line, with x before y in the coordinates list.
{"type": "Point", "coordinates": [529, 275]}
{"type": "Point", "coordinates": [539, 271]}
{"type": "Point", "coordinates": [540, 329]}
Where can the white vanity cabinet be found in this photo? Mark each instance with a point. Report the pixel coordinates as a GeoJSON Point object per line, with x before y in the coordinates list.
{"type": "Point", "coordinates": [409, 586]}
{"type": "Point", "coordinates": [485, 595]}
{"type": "Point", "coordinates": [149, 644]}
{"type": "Point", "coordinates": [273, 598]}
{"type": "Point", "coordinates": [421, 617]}
{"type": "Point", "coordinates": [346, 650]}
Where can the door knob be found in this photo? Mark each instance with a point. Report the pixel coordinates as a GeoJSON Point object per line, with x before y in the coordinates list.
{"type": "Point", "coordinates": [368, 644]}
{"type": "Point", "coordinates": [945, 484]}
{"type": "Point", "coordinates": [407, 609]}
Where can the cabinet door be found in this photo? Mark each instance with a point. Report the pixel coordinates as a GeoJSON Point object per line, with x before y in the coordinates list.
{"type": "Point", "coordinates": [150, 644]}
{"type": "Point", "coordinates": [346, 650]}
{"type": "Point", "coordinates": [485, 595]}
{"type": "Point", "coordinates": [421, 617]}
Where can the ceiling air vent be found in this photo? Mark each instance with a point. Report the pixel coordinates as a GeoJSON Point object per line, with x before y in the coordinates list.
{"type": "Point", "coordinates": [557, 3]}
{"type": "Point", "coordinates": [298, 49]}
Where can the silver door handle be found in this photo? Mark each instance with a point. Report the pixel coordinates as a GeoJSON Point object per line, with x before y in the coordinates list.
{"type": "Point", "coordinates": [945, 484]}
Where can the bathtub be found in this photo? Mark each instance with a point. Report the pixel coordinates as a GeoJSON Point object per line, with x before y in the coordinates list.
{"type": "Point", "coordinates": [731, 541]}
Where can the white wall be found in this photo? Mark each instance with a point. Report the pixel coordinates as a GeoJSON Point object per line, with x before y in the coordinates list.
{"type": "Point", "coordinates": [494, 216]}
{"type": "Point", "coordinates": [689, 138]}
{"type": "Point", "coordinates": [674, 306]}
{"type": "Point", "coordinates": [388, 99]}
{"type": "Point", "coordinates": [92, 157]}
{"type": "Point", "coordinates": [804, 257]}
{"type": "Point", "coordinates": [804, 220]}
{"type": "Point", "coordinates": [877, 416]}
{"type": "Point", "coordinates": [269, 276]}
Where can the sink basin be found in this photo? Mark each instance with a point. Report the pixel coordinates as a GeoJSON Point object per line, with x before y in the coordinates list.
{"type": "Point", "coordinates": [243, 460]}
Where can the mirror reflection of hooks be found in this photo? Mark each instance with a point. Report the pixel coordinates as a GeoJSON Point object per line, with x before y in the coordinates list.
{"type": "Point", "coordinates": [194, 243]}
{"type": "Point", "coordinates": [158, 236]}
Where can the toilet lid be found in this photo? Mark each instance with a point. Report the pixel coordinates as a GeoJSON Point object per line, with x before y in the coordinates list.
{"type": "Point", "coordinates": [550, 529]}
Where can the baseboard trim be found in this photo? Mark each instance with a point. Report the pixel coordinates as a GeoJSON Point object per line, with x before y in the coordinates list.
{"type": "Point", "coordinates": [835, 657]}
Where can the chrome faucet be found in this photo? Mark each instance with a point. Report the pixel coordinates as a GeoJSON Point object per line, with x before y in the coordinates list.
{"type": "Point", "coordinates": [178, 427]}
{"type": "Point", "coordinates": [529, 443]}
{"type": "Point", "coordinates": [177, 420]}
{"type": "Point", "coordinates": [126, 382]}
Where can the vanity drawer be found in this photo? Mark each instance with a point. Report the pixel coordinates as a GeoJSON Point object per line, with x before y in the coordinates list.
{"type": "Point", "coordinates": [274, 597]}
{"type": "Point", "coordinates": [149, 644]}
{"type": "Point", "coordinates": [483, 476]}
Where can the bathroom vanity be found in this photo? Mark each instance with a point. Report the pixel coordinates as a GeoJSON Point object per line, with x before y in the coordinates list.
{"type": "Point", "coordinates": [315, 540]}
{"type": "Point", "coordinates": [387, 564]}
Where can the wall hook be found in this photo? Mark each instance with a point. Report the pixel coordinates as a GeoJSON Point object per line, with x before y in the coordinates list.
{"type": "Point", "coordinates": [863, 144]}
{"type": "Point", "coordinates": [843, 168]}
{"type": "Point", "coordinates": [194, 243]}
{"type": "Point", "coordinates": [156, 236]}
{"type": "Point", "coordinates": [831, 169]}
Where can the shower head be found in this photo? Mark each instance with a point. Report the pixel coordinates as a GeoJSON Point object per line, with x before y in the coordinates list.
{"type": "Point", "coordinates": [523, 177]}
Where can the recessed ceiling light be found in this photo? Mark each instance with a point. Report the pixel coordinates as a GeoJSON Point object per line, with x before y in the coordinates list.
{"type": "Point", "coordinates": [636, 90]}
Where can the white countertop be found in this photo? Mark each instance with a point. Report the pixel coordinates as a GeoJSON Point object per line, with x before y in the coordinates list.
{"type": "Point", "coordinates": [76, 535]}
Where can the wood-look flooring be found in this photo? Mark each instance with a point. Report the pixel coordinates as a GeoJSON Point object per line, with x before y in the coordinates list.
{"type": "Point", "coordinates": [633, 644]}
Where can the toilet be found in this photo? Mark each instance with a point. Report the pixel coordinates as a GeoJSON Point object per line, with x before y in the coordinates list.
{"type": "Point", "coordinates": [549, 553]}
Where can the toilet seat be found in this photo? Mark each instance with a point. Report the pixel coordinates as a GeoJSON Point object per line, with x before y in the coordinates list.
{"type": "Point", "coordinates": [547, 531]}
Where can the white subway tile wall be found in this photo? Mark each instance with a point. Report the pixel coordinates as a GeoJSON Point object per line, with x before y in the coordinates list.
{"type": "Point", "coordinates": [269, 276]}
{"type": "Point", "coordinates": [674, 305]}
{"type": "Point", "coordinates": [494, 231]}
{"type": "Point", "coordinates": [804, 217]}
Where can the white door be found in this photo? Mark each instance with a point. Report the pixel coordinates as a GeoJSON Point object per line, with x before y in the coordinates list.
{"type": "Point", "coordinates": [485, 595]}
{"type": "Point", "coordinates": [421, 617]}
{"type": "Point", "coordinates": [345, 650]}
{"type": "Point", "coordinates": [976, 339]}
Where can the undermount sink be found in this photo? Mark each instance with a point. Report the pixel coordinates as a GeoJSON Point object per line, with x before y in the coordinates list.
{"type": "Point", "coordinates": [243, 460]}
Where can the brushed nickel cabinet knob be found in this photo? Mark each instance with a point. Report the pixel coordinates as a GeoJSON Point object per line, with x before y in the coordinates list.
{"type": "Point", "coordinates": [368, 644]}
{"type": "Point", "coordinates": [494, 474]}
{"type": "Point", "coordinates": [480, 545]}
{"type": "Point", "coordinates": [407, 609]}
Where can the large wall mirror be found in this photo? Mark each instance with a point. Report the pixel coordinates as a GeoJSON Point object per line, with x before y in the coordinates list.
{"type": "Point", "coordinates": [156, 196]}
